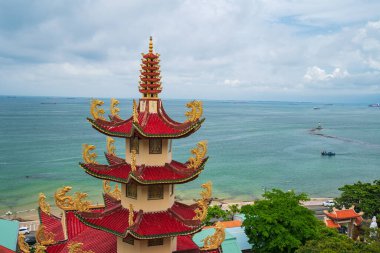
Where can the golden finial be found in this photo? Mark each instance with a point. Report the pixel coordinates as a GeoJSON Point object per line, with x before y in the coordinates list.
{"type": "Point", "coordinates": [44, 206]}
{"type": "Point", "coordinates": [40, 249]}
{"type": "Point", "coordinates": [95, 111]}
{"type": "Point", "coordinates": [113, 107]}
{"type": "Point", "coordinates": [196, 111]}
{"type": "Point", "coordinates": [135, 115]}
{"type": "Point", "coordinates": [199, 152]}
{"type": "Point", "coordinates": [133, 160]}
{"type": "Point", "coordinates": [131, 215]}
{"type": "Point", "coordinates": [44, 237]}
{"type": "Point", "coordinates": [87, 156]}
{"type": "Point", "coordinates": [214, 241]}
{"type": "Point", "coordinates": [150, 44]}
{"type": "Point", "coordinates": [116, 192]}
{"type": "Point", "coordinates": [23, 246]}
{"type": "Point", "coordinates": [76, 247]}
{"type": "Point", "coordinates": [110, 146]}
{"type": "Point", "coordinates": [69, 203]}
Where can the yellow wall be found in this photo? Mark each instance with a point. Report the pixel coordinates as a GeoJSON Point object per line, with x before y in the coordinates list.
{"type": "Point", "coordinates": [142, 202]}
{"type": "Point", "coordinates": [143, 157]}
{"type": "Point", "coordinates": [141, 246]}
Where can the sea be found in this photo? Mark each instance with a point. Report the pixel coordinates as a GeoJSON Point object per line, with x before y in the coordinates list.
{"type": "Point", "coordinates": [253, 147]}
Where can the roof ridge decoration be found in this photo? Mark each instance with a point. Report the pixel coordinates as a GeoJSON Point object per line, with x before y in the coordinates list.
{"type": "Point", "coordinates": [199, 152]}
{"type": "Point", "coordinates": [69, 203]}
{"type": "Point", "coordinates": [87, 156]}
{"type": "Point", "coordinates": [133, 160]}
{"type": "Point", "coordinates": [40, 249]}
{"type": "Point", "coordinates": [23, 246]}
{"type": "Point", "coordinates": [97, 113]}
{"type": "Point", "coordinates": [196, 111]}
{"type": "Point", "coordinates": [134, 112]}
{"type": "Point", "coordinates": [214, 241]}
{"type": "Point", "coordinates": [44, 206]}
{"type": "Point", "coordinates": [111, 146]}
{"type": "Point", "coordinates": [114, 110]}
{"type": "Point", "coordinates": [201, 211]}
{"type": "Point", "coordinates": [116, 193]}
{"type": "Point", "coordinates": [76, 247]}
{"type": "Point", "coordinates": [131, 216]}
{"type": "Point", "coordinates": [44, 237]}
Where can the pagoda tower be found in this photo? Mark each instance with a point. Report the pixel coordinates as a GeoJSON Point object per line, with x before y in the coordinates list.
{"type": "Point", "coordinates": [141, 215]}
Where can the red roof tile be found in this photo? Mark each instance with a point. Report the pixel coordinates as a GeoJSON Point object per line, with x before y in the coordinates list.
{"type": "Point", "coordinates": [149, 125]}
{"type": "Point", "coordinates": [52, 224]}
{"type": "Point", "coordinates": [342, 214]}
{"type": "Point", "coordinates": [174, 172]}
{"type": "Point", "coordinates": [331, 224]}
{"type": "Point", "coordinates": [147, 225]}
{"type": "Point", "coordinates": [186, 244]}
{"type": "Point", "coordinates": [6, 250]}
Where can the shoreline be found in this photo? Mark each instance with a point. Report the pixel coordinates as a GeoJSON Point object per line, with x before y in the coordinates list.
{"type": "Point", "coordinates": [31, 215]}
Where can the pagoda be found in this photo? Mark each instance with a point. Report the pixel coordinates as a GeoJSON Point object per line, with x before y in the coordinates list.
{"type": "Point", "coordinates": [348, 218]}
{"type": "Point", "coordinates": [140, 213]}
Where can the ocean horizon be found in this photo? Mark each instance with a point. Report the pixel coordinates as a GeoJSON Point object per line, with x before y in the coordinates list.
{"type": "Point", "coordinates": [253, 146]}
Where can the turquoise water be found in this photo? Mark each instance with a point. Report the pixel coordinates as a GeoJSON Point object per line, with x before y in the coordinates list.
{"type": "Point", "coordinates": [252, 146]}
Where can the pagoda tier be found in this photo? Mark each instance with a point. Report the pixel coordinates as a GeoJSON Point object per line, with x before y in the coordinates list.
{"type": "Point", "coordinates": [121, 171]}
{"type": "Point", "coordinates": [151, 122]}
{"type": "Point", "coordinates": [177, 220]}
{"type": "Point", "coordinates": [150, 79]}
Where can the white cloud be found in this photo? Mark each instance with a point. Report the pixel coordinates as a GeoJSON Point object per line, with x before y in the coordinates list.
{"type": "Point", "coordinates": [232, 83]}
{"type": "Point", "coordinates": [317, 74]}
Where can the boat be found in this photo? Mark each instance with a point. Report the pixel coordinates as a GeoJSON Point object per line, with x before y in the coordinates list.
{"type": "Point", "coordinates": [319, 127]}
{"type": "Point", "coordinates": [374, 105]}
{"type": "Point", "coordinates": [316, 108]}
{"type": "Point", "coordinates": [325, 153]}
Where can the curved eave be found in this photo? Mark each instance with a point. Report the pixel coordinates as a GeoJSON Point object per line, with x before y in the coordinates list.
{"type": "Point", "coordinates": [146, 182]}
{"type": "Point", "coordinates": [191, 129]}
{"type": "Point", "coordinates": [136, 235]}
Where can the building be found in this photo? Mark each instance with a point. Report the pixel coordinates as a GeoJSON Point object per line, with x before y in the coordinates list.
{"type": "Point", "coordinates": [8, 235]}
{"type": "Point", "coordinates": [142, 215]}
{"type": "Point", "coordinates": [344, 220]}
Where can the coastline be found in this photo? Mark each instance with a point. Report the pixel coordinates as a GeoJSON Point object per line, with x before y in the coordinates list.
{"type": "Point", "coordinates": [31, 215]}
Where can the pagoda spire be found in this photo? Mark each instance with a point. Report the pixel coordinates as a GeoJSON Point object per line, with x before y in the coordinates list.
{"type": "Point", "coordinates": [150, 79]}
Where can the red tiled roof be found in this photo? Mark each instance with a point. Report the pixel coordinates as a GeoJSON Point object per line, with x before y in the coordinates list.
{"type": "Point", "coordinates": [342, 214]}
{"type": "Point", "coordinates": [186, 244]}
{"type": "Point", "coordinates": [6, 250]}
{"type": "Point", "coordinates": [149, 125]}
{"type": "Point", "coordinates": [358, 221]}
{"type": "Point", "coordinates": [52, 224]}
{"type": "Point", "coordinates": [174, 172]}
{"type": "Point", "coordinates": [331, 224]}
{"type": "Point", "coordinates": [146, 225]}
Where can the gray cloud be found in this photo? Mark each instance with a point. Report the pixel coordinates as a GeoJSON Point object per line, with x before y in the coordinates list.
{"type": "Point", "coordinates": [209, 49]}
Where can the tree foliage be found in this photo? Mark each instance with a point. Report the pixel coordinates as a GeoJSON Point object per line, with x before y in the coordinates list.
{"type": "Point", "coordinates": [279, 223]}
{"type": "Point", "coordinates": [365, 197]}
{"type": "Point", "coordinates": [329, 241]}
{"type": "Point", "coordinates": [215, 213]}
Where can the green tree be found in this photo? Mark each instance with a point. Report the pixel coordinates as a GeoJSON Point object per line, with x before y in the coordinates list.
{"type": "Point", "coordinates": [215, 213]}
{"type": "Point", "coordinates": [329, 241]}
{"type": "Point", "coordinates": [365, 197]}
{"type": "Point", "coordinates": [279, 223]}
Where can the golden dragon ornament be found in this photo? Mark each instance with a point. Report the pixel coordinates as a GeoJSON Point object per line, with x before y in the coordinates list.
{"type": "Point", "coordinates": [214, 241]}
{"type": "Point", "coordinates": [71, 203]}
{"type": "Point", "coordinates": [44, 237]}
{"type": "Point", "coordinates": [76, 247]}
{"type": "Point", "coordinates": [44, 206]}
{"type": "Point", "coordinates": [199, 153]}
{"type": "Point", "coordinates": [111, 146]}
{"type": "Point", "coordinates": [113, 107]}
{"type": "Point", "coordinates": [96, 112]}
{"type": "Point", "coordinates": [87, 156]}
{"type": "Point", "coordinates": [196, 111]}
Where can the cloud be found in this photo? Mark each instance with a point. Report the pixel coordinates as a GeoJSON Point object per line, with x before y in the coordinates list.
{"type": "Point", "coordinates": [317, 74]}
{"type": "Point", "coordinates": [270, 49]}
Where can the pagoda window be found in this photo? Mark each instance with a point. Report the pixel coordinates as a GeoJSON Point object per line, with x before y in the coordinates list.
{"type": "Point", "coordinates": [129, 240]}
{"type": "Point", "coordinates": [156, 191]}
{"type": "Point", "coordinates": [134, 144]}
{"type": "Point", "coordinates": [155, 146]}
{"type": "Point", "coordinates": [131, 190]}
{"type": "Point", "coordinates": [171, 190]}
{"type": "Point", "coordinates": [155, 242]}
{"type": "Point", "coordinates": [170, 145]}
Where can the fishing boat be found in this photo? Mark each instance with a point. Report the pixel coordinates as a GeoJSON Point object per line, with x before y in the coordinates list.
{"type": "Point", "coordinates": [374, 105]}
{"type": "Point", "coordinates": [325, 153]}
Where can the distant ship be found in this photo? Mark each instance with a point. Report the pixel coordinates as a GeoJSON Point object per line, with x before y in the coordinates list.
{"type": "Point", "coordinates": [374, 105]}
{"type": "Point", "coordinates": [325, 153]}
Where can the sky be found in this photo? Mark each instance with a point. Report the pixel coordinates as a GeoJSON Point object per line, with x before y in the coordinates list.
{"type": "Point", "coordinates": [325, 50]}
